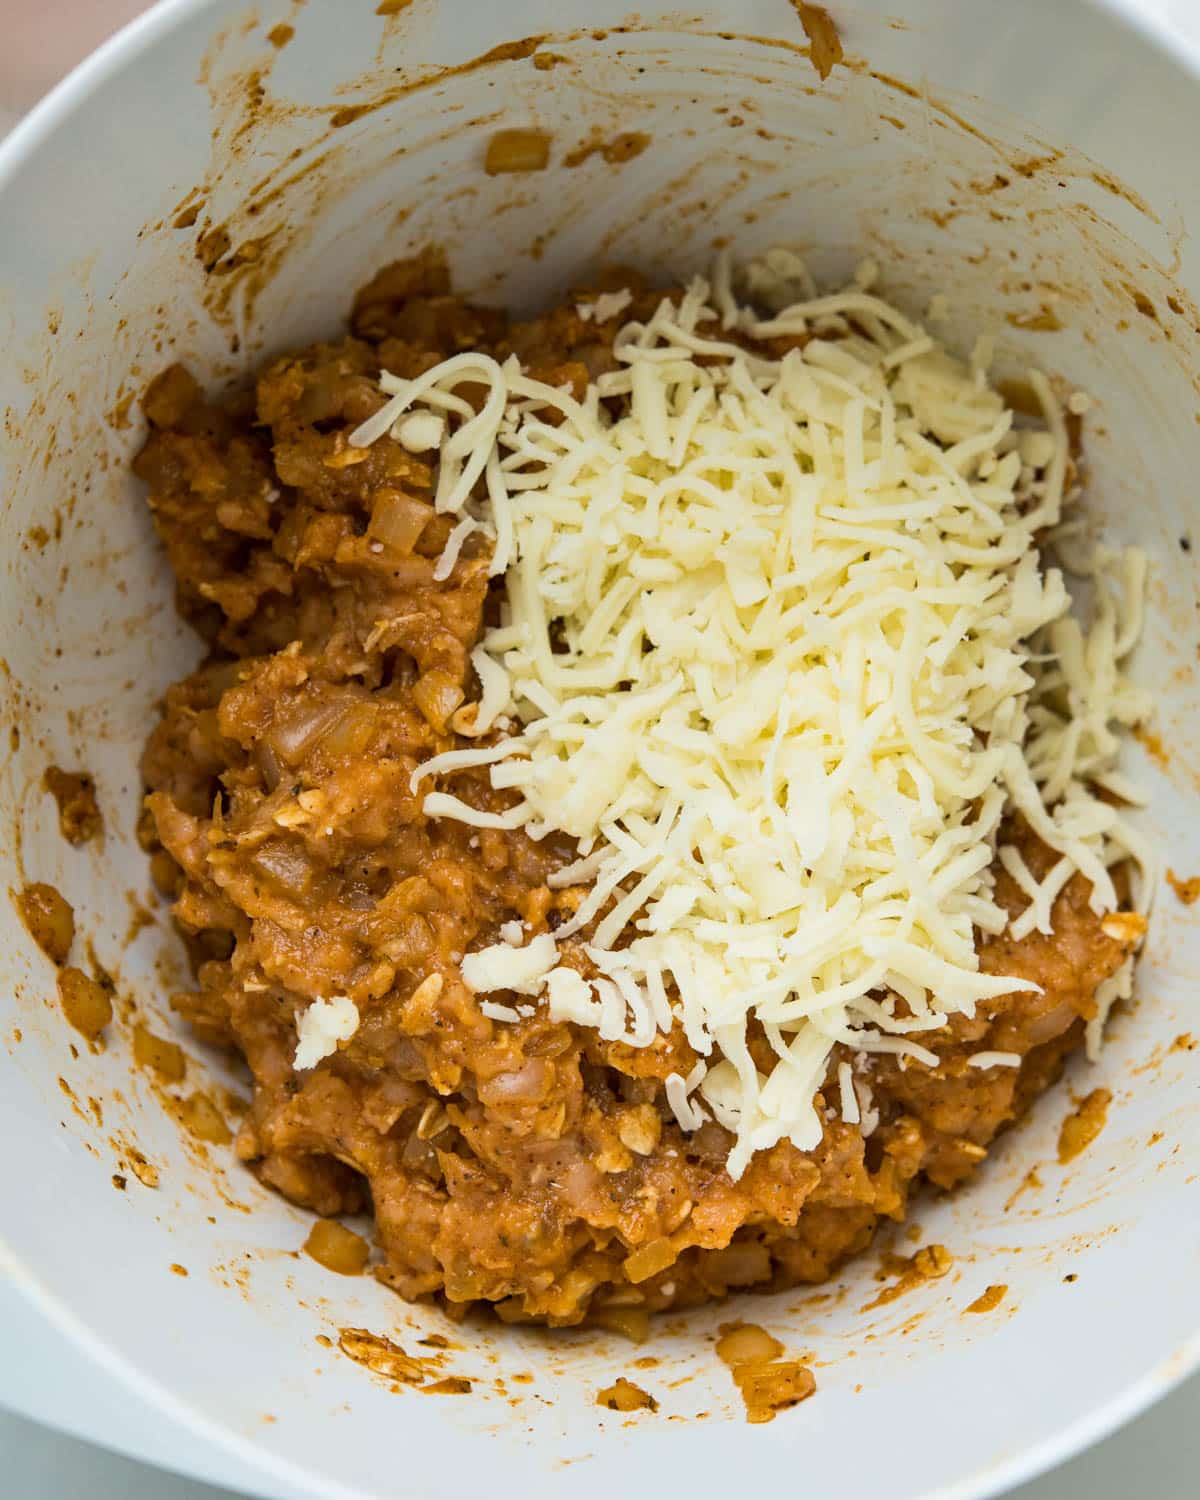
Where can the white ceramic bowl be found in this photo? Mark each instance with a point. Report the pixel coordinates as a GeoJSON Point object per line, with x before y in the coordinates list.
{"type": "Point", "coordinates": [1009, 157]}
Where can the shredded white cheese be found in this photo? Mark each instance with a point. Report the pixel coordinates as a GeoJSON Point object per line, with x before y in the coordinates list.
{"type": "Point", "coordinates": [848, 1098]}
{"type": "Point", "coordinates": [570, 997]}
{"type": "Point", "coordinates": [607, 305]}
{"type": "Point", "coordinates": [779, 651]}
{"type": "Point", "coordinates": [995, 1060]}
{"type": "Point", "coordinates": [497, 1012]}
{"type": "Point", "coordinates": [421, 431]}
{"type": "Point", "coordinates": [687, 1112]}
{"type": "Point", "coordinates": [321, 1027]}
{"type": "Point", "coordinates": [870, 1115]}
{"type": "Point", "coordinates": [505, 967]}
{"type": "Point", "coordinates": [1108, 992]}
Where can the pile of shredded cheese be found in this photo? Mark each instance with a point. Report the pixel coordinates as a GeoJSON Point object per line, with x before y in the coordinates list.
{"type": "Point", "coordinates": [779, 651]}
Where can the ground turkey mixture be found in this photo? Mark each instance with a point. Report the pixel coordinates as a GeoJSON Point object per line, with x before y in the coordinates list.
{"type": "Point", "coordinates": [530, 1165]}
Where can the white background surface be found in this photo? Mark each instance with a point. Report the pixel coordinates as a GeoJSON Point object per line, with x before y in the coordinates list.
{"type": "Point", "coordinates": [1156, 1458]}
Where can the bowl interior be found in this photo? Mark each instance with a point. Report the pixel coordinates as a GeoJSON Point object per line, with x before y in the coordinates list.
{"type": "Point", "coordinates": [1037, 174]}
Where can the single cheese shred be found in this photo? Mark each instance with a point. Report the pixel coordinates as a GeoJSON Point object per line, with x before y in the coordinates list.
{"type": "Point", "coordinates": [778, 649]}
{"type": "Point", "coordinates": [320, 1028]}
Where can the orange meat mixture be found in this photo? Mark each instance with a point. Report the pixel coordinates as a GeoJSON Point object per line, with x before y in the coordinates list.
{"type": "Point", "coordinates": [528, 1165]}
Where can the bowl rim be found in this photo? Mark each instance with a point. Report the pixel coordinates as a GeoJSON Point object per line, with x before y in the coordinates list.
{"type": "Point", "coordinates": [1149, 21]}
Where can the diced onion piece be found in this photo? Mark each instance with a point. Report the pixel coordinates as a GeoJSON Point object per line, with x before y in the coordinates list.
{"type": "Point", "coordinates": [397, 520]}
{"type": "Point", "coordinates": [290, 735]}
{"type": "Point", "coordinates": [650, 1260]}
{"type": "Point", "coordinates": [437, 695]}
{"type": "Point", "coordinates": [632, 1323]}
{"type": "Point", "coordinates": [747, 1343]}
{"type": "Point", "coordinates": [337, 1248]}
{"type": "Point", "coordinates": [285, 867]}
{"type": "Point", "coordinates": [350, 734]}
